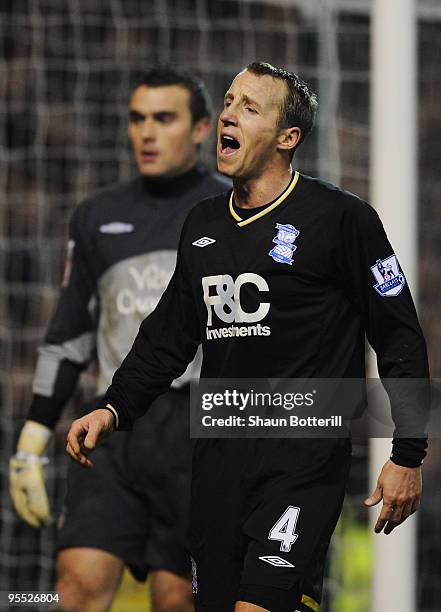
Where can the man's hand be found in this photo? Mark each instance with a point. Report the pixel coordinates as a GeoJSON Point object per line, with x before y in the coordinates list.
{"type": "Point", "coordinates": [400, 489]}
{"type": "Point", "coordinates": [28, 489]}
{"type": "Point", "coordinates": [87, 433]}
{"type": "Point", "coordinates": [26, 475]}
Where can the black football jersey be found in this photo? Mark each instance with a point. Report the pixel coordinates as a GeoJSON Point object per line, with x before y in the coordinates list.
{"type": "Point", "coordinates": [288, 291]}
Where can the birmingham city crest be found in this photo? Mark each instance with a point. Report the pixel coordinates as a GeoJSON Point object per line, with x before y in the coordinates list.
{"type": "Point", "coordinates": [285, 247]}
{"type": "Point", "coordinates": [390, 279]}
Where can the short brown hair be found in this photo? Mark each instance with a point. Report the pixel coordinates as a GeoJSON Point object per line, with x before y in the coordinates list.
{"type": "Point", "coordinates": [300, 105]}
{"type": "Point", "coordinates": [200, 103]}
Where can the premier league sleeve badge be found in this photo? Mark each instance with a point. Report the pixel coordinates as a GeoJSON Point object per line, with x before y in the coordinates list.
{"type": "Point", "coordinates": [284, 240]}
{"type": "Point", "coordinates": [390, 279]}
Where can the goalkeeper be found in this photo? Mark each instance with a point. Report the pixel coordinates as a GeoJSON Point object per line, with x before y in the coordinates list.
{"type": "Point", "coordinates": [130, 511]}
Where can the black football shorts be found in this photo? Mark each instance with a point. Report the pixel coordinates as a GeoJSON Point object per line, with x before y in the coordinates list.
{"type": "Point", "coordinates": [134, 502]}
{"type": "Point", "coordinates": [263, 512]}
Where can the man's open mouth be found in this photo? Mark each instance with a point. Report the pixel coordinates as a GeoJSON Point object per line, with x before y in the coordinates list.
{"type": "Point", "coordinates": [229, 144]}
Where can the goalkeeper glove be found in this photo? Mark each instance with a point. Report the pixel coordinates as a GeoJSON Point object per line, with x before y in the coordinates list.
{"type": "Point", "coordinates": [26, 475]}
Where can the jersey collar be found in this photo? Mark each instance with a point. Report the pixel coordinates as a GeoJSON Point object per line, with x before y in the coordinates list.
{"type": "Point", "coordinates": [282, 197]}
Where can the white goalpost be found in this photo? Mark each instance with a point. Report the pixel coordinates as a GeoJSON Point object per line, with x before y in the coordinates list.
{"type": "Point", "coordinates": [394, 166]}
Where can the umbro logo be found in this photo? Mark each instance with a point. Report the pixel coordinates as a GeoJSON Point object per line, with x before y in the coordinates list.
{"type": "Point", "coordinates": [116, 228]}
{"type": "Point", "coordinates": [276, 561]}
{"type": "Point", "coordinates": [203, 242]}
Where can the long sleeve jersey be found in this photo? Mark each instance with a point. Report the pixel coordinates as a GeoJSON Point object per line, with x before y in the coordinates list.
{"type": "Point", "coordinates": [121, 255]}
{"type": "Point", "coordinates": [288, 292]}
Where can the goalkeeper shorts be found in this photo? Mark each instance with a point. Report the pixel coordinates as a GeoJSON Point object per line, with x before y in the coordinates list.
{"type": "Point", "coordinates": [134, 502]}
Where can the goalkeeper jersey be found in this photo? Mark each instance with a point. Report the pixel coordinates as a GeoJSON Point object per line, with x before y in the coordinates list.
{"type": "Point", "coordinates": [121, 256]}
{"type": "Point", "coordinates": [286, 292]}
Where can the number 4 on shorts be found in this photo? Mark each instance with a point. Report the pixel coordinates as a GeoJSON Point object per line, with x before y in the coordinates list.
{"type": "Point", "coordinates": [284, 528]}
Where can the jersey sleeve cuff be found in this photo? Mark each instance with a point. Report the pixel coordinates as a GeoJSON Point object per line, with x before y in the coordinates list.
{"type": "Point", "coordinates": [406, 461]}
{"type": "Point", "coordinates": [409, 452]}
{"type": "Point", "coordinates": [45, 410]}
{"type": "Point", "coordinates": [114, 412]}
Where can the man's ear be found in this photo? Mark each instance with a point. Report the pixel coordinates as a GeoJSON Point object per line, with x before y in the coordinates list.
{"type": "Point", "coordinates": [289, 138]}
{"type": "Point", "coordinates": [201, 131]}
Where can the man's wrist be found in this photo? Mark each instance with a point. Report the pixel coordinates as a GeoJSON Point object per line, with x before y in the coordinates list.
{"type": "Point", "coordinates": [111, 409]}
{"type": "Point", "coordinates": [34, 438]}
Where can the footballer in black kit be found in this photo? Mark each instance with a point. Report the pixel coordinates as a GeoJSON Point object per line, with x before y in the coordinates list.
{"type": "Point", "coordinates": [298, 314]}
{"type": "Point", "coordinates": [286, 289]}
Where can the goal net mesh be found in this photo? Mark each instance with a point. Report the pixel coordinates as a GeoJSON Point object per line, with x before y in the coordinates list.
{"type": "Point", "coordinates": [66, 70]}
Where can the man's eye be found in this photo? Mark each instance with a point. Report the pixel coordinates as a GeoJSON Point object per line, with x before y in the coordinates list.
{"type": "Point", "coordinates": [250, 109]}
{"type": "Point", "coordinates": [165, 117]}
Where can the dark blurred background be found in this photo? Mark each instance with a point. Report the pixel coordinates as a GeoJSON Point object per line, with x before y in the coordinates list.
{"type": "Point", "coordinates": [66, 71]}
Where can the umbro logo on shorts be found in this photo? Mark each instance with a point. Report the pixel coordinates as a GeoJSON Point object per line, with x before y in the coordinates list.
{"type": "Point", "coordinates": [203, 242]}
{"type": "Point", "coordinates": [276, 561]}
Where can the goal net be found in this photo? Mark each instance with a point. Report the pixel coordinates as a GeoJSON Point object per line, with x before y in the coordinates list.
{"type": "Point", "coordinates": [66, 70]}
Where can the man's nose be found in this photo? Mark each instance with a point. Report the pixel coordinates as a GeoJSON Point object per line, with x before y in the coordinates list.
{"type": "Point", "coordinates": [147, 130]}
{"type": "Point", "coordinates": [228, 116]}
